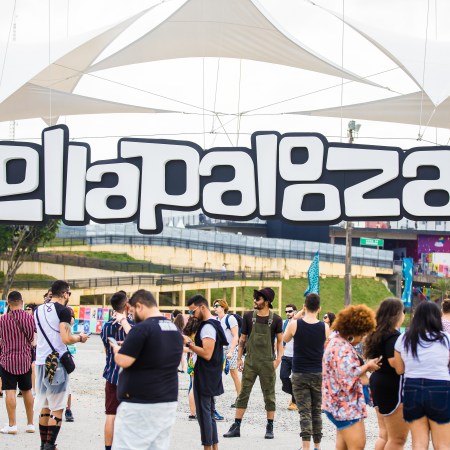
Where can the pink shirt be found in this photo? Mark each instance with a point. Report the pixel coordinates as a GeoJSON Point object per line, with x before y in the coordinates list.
{"type": "Point", "coordinates": [446, 325]}
{"type": "Point", "coordinates": [342, 392]}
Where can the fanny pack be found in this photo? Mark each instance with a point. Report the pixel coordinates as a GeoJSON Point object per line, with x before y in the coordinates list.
{"type": "Point", "coordinates": [66, 359]}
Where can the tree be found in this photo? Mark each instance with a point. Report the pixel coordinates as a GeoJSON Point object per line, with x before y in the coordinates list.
{"type": "Point", "coordinates": [18, 241]}
{"type": "Point", "coordinates": [441, 287]}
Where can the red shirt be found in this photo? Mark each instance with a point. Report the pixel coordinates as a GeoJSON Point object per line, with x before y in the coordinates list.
{"type": "Point", "coordinates": [16, 341]}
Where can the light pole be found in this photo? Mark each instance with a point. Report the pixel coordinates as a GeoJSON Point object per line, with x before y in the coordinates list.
{"type": "Point", "coordinates": [352, 131]}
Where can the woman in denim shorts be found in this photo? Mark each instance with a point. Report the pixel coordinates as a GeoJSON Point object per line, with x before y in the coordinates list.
{"type": "Point", "coordinates": [342, 391]}
{"type": "Point", "coordinates": [422, 354]}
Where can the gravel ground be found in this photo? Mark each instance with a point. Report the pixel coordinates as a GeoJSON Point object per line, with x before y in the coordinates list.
{"type": "Point", "coordinates": [88, 409]}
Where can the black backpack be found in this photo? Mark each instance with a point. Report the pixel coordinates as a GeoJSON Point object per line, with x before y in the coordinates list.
{"type": "Point", "coordinates": [238, 319]}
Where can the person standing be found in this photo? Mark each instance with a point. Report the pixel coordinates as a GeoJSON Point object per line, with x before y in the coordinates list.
{"type": "Point", "coordinates": [116, 328]}
{"type": "Point", "coordinates": [422, 355]}
{"type": "Point", "coordinates": [148, 384]}
{"type": "Point", "coordinates": [52, 381]}
{"type": "Point", "coordinates": [16, 344]}
{"type": "Point", "coordinates": [208, 346]}
{"type": "Point", "coordinates": [260, 329]}
{"type": "Point", "coordinates": [385, 384]}
{"type": "Point", "coordinates": [343, 399]}
{"type": "Point", "coordinates": [286, 360]}
{"type": "Point", "coordinates": [446, 314]}
{"type": "Point", "coordinates": [309, 335]}
{"type": "Point", "coordinates": [230, 327]}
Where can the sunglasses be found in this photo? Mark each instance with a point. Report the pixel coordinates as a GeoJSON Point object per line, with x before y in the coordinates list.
{"type": "Point", "coordinates": [216, 306]}
{"type": "Point", "coordinates": [325, 316]}
{"type": "Point", "coordinates": [289, 311]}
{"type": "Point", "coordinates": [68, 292]}
{"type": "Point", "coordinates": [28, 309]}
{"type": "Point", "coordinates": [191, 312]}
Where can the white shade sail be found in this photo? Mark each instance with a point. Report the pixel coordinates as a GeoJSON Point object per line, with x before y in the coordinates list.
{"type": "Point", "coordinates": [35, 101]}
{"type": "Point", "coordinates": [225, 29]}
{"type": "Point", "coordinates": [426, 61]}
{"type": "Point", "coordinates": [415, 109]}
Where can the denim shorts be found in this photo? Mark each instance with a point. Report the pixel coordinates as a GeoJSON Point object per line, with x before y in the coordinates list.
{"type": "Point", "coordinates": [341, 424]}
{"type": "Point", "coordinates": [426, 398]}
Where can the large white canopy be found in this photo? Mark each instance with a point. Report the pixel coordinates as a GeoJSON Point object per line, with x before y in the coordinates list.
{"type": "Point", "coordinates": [415, 109]}
{"type": "Point", "coordinates": [239, 29]}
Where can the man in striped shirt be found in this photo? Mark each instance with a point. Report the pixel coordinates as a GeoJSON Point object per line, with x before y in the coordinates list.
{"type": "Point", "coordinates": [16, 338]}
{"type": "Point", "coordinates": [116, 328]}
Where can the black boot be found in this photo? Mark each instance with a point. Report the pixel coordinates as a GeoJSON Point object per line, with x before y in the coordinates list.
{"type": "Point", "coordinates": [269, 431]}
{"type": "Point", "coordinates": [234, 431]}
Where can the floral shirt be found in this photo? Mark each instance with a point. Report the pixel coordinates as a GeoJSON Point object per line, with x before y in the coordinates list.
{"type": "Point", "coordinates": [446, 325]}
{"type": "Point", "coordinates": [342, 391]}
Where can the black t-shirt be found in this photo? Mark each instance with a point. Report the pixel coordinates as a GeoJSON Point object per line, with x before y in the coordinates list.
{"type": "Point", "coordinates": [157, 346]}
{"type": "Point", "coordinates": [63, 313]}
{"type": "Point", "coordinates": [275, 328]}
{"type": "Point", "coordinates": [387, 351]}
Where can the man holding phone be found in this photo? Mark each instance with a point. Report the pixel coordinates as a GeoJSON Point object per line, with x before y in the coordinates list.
{"type": "Point", "coordinates": [148, 385]}
{"type": "Point", "coordinates": [114, 330]}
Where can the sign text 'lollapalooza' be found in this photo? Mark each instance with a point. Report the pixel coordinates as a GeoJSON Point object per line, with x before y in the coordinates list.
{"type": "Point", "coordinates": [296, 177]}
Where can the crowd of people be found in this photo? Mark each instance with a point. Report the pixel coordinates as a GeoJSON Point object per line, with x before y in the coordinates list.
{"type": "Point", "coordinates": [336, 368]}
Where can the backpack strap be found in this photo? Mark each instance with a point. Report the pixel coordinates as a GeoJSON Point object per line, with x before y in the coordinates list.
{"type": "Point", "coordinates": [254, 317]}
{"type": "Point", "coordinates": [227, 322]}
{"type": "Point", "coordinates": [270, 318]}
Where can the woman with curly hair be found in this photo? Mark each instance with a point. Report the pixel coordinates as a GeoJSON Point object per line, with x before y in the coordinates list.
{"type": "Point", "coordinates": [385, 384]}
{"type": "Point", "coordinates": [342, 392]}
{"type": "Point", "coordinates": [422, 354]}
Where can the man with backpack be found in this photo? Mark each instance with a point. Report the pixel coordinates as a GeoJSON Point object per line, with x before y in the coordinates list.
{"type": "Point", "coordinates": [286, 360]}
{"type": "Point", "coordinates": [231, 324]}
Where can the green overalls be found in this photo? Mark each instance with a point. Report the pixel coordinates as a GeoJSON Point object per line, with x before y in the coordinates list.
{"type": "Point", "coordinates": [259, 363]}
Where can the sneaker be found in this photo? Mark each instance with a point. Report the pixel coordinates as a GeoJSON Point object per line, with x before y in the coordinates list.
{"type": "Point", "coordinates": [269, 431]}
{"type": "Point", "coordinates": [30, 428]}
{"type": "Point", "coordinates": [1, 394]}
{"type": "Point", "coordinates": [48, 446]}
{"type": "Point", "coordinates": [19, 394]}
{"type": "Point", "coordinates": [69, 416]}
{"type": "Point", "coordinates": [234, 431]}
{"type": "Point", "coordinates": [218, 417]}
{"type": "Point", "coordinates": [192, 417]}
{"type": "Point", "coordinates": [292, 406]}
{"type": "Point", "coordinates": [9, 430]}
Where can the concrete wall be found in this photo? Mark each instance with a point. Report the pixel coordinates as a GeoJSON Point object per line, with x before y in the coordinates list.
{"type": "Point", "coordinates": [205, 259]}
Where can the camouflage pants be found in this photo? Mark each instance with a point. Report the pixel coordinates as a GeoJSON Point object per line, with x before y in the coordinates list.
{"type": "Point", "coordinates": [307, 388]}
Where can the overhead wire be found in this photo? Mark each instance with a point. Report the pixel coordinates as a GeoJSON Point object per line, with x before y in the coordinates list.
{"type": "Point", "coordinates": [8, 41]}
{"type": "Point", "coordinates": [423, 71]}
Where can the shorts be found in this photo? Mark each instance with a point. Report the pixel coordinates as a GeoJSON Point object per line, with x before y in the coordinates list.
{"type": "Point", "coordinates": [386, 392]}
{"type": "Point", "coordinates": [234, 357]}
{"type": "Point", "coordinates": [11, 381]}
{"type": "Point", "coordinates": [426, 398]}
{"type": "Point", "coordinates": [341, 424]}
{"type": "Point", "coordinates": [111, 402]}
{"type": "Point", "coordinates": [53, 398]}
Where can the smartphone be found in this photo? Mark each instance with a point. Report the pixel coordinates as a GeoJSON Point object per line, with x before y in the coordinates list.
{"type": "Point", "coordinates": [89, 334]}
{"type": "Point", "coordinates": [112, 341]}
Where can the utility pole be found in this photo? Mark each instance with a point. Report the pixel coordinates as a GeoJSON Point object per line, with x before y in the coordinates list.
{"type": "Point", "coordinates": [352, 130]}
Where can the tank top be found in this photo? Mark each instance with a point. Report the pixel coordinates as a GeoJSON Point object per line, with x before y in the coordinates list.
{"type": "Point", "coordinates": [309, 340]}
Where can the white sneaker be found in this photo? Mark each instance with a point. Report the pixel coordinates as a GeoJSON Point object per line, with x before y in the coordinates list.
{"type": "Point", "coordinates": [30, 428]}
{"type": "Point", "coordinates": [9, 430]}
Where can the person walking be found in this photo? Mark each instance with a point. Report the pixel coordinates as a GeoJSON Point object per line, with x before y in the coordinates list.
{"type": "Point", "coordinates": [16, 345]}
{"type": "Point", "coordinates": [286, 359]}
{"type": "Point", "coordinates": [116, 328]}
{"type": "Point", "coordinates": [446, 314]}
{"type": "Point", "coordinates": [148, 384]}
{"type": "Point", "coordinates": [385, 385]}
{"type": "Point", "coordinates": [309, 335]}
{"type": "Point", "coordinates": [29, 309]}
{"type": "Point", "coordinates": [52, 380]}
{"type": "Point", "coordinates": [422, 355]}
{"type": "Point", "coordinates": [342, 391]}
{"type": "Point", "coordinates": [260, 329]}
{"type": "Point", "coordinates": [230, 327]}
{"type": "Point", "coordinates": [208, 346]}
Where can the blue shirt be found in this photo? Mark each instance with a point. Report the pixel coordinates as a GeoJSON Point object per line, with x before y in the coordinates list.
{"type": "Point", "coordinates": [114, 330]}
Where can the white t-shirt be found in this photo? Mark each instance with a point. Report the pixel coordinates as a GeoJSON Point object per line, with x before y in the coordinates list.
{"type": "Point", "coordinates": [208, 331]}
{"type": "Point", "coordinates": [232, 322]}
{"type": "Point", "coordinates": [431, 361]}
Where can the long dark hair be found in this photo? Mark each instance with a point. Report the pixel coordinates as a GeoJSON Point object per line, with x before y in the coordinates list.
{"type": "Point", "coordinates": [388, 315]}
{"type": "Point", "coordinates": [426, 326]}
{"type": "Point", "coordinates": [191, 326]}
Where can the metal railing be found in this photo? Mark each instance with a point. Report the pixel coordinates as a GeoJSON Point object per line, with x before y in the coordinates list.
{"type": "Point", "coordinates": [154, 280]}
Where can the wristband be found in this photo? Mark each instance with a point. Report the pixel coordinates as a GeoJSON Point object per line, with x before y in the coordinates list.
{"type": "Point", "coordinates": [188, 345]}
{"type": "Point", "coordinates": [80, 338]}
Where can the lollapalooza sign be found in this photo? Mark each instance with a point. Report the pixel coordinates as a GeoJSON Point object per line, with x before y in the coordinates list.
{"type": "Point", "coordinates": [296, 177]}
